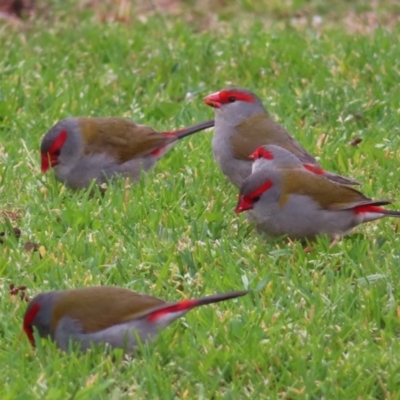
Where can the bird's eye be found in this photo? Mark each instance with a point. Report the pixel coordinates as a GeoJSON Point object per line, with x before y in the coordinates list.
{"type": "Point", "coordinates": [255, 199]}
{"type": "Point", "coordinates": [232, 99]}
{"type": "Point", "coordinates": [57, 152]}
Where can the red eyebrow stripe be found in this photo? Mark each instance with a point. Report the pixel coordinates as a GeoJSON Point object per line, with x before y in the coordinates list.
{"type": "Point", "coordinates": [31, 314]}
{"type": "Point", "coordinates": [181, 306]}
{"type": "Point", "coordinates": [247, 202]}
{"type": "Point", "coordinates": [224, 96]}
{"type": "Point", "coordinates": [260, 190]}
{"type": "Point", "coordinates": [58, 142]}
{"type": "Point", "coordinates": [28, 322]}
{"type": "Point", "coordinates": [56, 145]}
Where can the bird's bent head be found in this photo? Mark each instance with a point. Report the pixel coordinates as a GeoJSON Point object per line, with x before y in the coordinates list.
{"type": "Point", "coordinates": [29, 318]}
{"type": "Point", "coordinates": [255, 186]}
{"type": "Point", "coordinates": [51, 150]}
{"type": "Point", "coordinates": [61, 144]}
{"type": "Point", "coordinates": [38, 315]}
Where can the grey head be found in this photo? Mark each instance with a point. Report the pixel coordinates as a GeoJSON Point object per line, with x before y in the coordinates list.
{"type": "Point", "coordinates": [263, 185]}
{"type": "Point", "coordinates": [233, 105]}
{"type": "Point", "coordinates": [39, 315]}
{"type": "Point", "coordinates": [62, 145]}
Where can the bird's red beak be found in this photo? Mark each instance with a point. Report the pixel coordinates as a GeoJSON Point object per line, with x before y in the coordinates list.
{"type": "Point", "coordinates": [45, 162]}
{"type": "Point", "coordinates": [243, 205]}
{"type": "Point", "coordinates": [213, 100]}
{"type": "Point", "coordinates": [48, 161]}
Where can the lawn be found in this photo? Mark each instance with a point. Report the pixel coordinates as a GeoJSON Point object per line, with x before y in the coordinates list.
{"type": "Point", "coordinates": [323, 324]}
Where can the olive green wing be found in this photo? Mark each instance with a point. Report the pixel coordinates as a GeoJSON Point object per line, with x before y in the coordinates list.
{"type": "Point", "coordinates": [100, 307]}
{"type": "Point", "coordinates": [329, 195]}
{"type": "Point", "coordinates": [121, 138]}
{"type": "Point", "coordinates": [260, 130]}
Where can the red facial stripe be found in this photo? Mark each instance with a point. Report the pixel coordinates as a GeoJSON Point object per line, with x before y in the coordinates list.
{"type": "Point", "coordinates": [261, 153]}
{"type": "Point", "coordinates": [28, 322]}
{"type": "Point", "coordinates": [226, 96]}
{"type": "Point", "coordinates": [247, 202]}
{"type": "Point", "coordinates": [314, 169]}
{"type": "Point", "coordinates": [368, 209]}
{"type": "Point", "coordinates": [181, 306]}
{"type": "Point", "coordinates": [58, 143]}
{"type": "Point", "coordinates": [51, 157]}
{"type": "Point", "coordinates": [216, 100]}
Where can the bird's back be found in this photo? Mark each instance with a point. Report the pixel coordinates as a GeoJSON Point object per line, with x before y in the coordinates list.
{"type": "Point", "coordinates": [120, 138]}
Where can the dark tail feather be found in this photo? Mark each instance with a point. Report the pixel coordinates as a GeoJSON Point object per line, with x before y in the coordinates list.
{"type": "Point", "coordinates": [391, 213]}
{"type": "Point", "coordinates": [215, 298]}
{"type": "Point", "coordinates": [375, 208]}
{"type": "Point", "coordinates": [180, 134]}
{"type": "Point", "coordinates": [381, 202]}
{"type": "Point", "coordinates": [186, 305]}
{"type": "Point", "coordinates": [340, 179]}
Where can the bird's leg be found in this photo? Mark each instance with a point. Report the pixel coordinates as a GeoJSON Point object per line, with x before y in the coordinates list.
{"type": "Point", "coordinates": [335, 240]}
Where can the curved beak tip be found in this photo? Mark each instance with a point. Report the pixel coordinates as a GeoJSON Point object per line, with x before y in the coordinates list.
{"type": "Point", "coordinates": [212, 100]}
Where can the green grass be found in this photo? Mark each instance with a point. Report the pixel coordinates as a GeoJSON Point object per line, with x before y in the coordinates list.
{"type": "Point", "coordinates": [318, 325]}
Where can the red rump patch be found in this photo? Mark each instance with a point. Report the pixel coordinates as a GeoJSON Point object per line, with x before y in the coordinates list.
{"type": "Point", "coordinates": [28, 322]}
{"type": "Point", "coordinates": [160, 150]}
{"type": "Point", "coordinates": [368, 209]}
{"type": "Point", "coordinates": [314, 169]}
{"type": "Point", "coordinates": [157, 152]}
{"type": "Point", "coordinates": [247, 202]}
{"type": "Point", "coordinates": [172, 134]}
{"type": "Point", "coordinates": [50, 159]}
{"type": "Point", "coordinates": [181, 306]}
{"type": "Point", "coordinates": [261, 153]}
